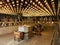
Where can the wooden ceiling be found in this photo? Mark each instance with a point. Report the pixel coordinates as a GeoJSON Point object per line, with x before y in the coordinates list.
{"type": "Point", "coordinates": [29, 7]}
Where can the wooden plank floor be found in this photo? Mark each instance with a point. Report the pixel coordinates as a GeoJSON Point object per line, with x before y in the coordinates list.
{"type": "Point", "coordinates": [45, 39]}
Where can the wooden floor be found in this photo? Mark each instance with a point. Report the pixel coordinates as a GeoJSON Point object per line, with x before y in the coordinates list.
{"type": "Point", "coordinates": [45, 39]}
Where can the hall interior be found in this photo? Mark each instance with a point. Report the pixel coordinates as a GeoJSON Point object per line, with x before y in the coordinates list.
{"type": "Point", "coordinates": [29, 22]}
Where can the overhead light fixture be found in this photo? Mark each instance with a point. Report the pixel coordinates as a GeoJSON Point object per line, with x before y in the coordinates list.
{"type": "Point", "coordinates": [17, 1]}
{"type": "Point", "coordinates": [38, 7]}
{"type": "Point", "coordinates": [17, 4]}
{"type": "Point", "coordinates": [52, 0]}
{"type": "Point", "coordinates": [22, 0]}
{"type": "Point", "coordinates": [33, 7]}
{"type": "Point", "coordinates": [0, 2]}
{"type": "Point", "coordinates": [28, 4]}
{"type": "Point", "coordinates": [12, 2]}
{"type": "Point", "coordinates": [39, 2]}
{"type": "Point", "coordinates": [6, 4]}
{"type": "Point", "coordinates": [21, 3]}
{"type": "Point", "coordinates": [9, 3]}
{"type": "Point", "coordinates": [7, 0]}
{"type": "Point", "coordinates": [13, 5]}
{"type": "Point", "coordinates": [30, 1]}
{"type": "Point", "coordinates": [36, 0]}
{"type": "Point", "coordinates": [29, 7]}
{"type": "Point", "coordinates": [25, 2]}
{"type": "Point", "coordinates": [45, 1]}
{"type": "Point", "coordinates": [33, 3]}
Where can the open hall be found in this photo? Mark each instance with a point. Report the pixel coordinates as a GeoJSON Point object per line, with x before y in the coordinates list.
{"type": "Point", "coordinates": [29, 22]}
